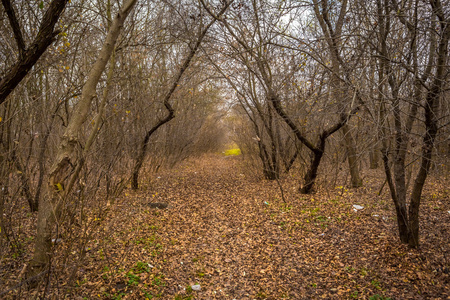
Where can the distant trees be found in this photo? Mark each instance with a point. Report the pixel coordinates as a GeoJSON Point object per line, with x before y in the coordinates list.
{"type": "Point", "coordinates": [316, 64]}
{"type": "Point", "coordinates": [256, 43]}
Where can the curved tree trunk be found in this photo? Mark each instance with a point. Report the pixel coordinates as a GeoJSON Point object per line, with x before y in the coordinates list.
{"type": "Point", "coordinates": [63, 172]}
{"type": "Point", "coordinates": [143, 150]}
{"type": "Point", "coordinates": [311, 174]}
{"type": "Point", "coordinates": [431, 124]}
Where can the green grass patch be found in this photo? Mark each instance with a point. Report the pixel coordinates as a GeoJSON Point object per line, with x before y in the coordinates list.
{"type": "Point", "coordinates": [233, 152]}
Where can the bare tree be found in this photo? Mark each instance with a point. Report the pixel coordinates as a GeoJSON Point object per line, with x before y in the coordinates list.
{"type": "Point", "coordinates": [28, 56]}
{"type": "Point", "coordinates": [170, 111]}
{"type": "Point", "coordinates": [333, 38]}
{"type": "Point", "coordinates": [63, 172]}
{"type": "Point", "coordinates": [428, 37]}
{"type": "Point", "coordinates": [256, 47]}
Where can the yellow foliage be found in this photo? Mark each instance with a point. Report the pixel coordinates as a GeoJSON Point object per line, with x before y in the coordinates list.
{"type": "Point", "coordinates": [233, 152]}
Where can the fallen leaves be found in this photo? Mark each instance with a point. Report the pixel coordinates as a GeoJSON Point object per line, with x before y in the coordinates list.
{"type": "Point", "coordinates": [235, 238]}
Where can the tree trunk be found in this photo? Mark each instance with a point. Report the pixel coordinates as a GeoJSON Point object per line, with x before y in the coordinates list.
{"type": "Point", "coordinates": [274, 162]}
{"type": "Point", "coordinates": [292, 160]}
{"type": "Point", "coordinates": [431, 125]}
{"type": "Point", "coordinates": [332, 36]}
{"type": "Point", "coordinates": [62, 171]}
{"type": "Point", "coordinates": [143, 150]}
{"type": "Point", "coordinates": [311, 174]}
{"type": "Point", "coordinates": [351, 157]}
{"type": "Point", "coordinates": [28, 57]}
{"type": "Point", "coordinates": [25, 182]}
{"type": "Point", "coordinates": [373, 159]}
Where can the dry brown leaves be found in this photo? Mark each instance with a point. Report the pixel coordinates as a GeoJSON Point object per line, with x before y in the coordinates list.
{"type": "Point", "coordinates": [235, 237]}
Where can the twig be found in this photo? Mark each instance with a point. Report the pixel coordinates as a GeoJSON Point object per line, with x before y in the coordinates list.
{"type": "Point", "coordinates": [281, 189]}
{"type": "Point", "coordinates": [382, 186]}
{"type": "Point", "coordinates": [22, 272]}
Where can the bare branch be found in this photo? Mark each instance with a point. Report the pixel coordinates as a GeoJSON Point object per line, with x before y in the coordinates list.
{"type": "Point", "coordinates": [15, 26]}
{"type": "Point", "coordinates": [30, 56]}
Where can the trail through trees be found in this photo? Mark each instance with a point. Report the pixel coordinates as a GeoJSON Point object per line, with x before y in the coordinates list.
{"type": "Point", "coordinates": [232, 234]}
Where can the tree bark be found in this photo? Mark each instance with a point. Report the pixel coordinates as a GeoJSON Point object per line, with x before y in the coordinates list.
{"type": "Point", "coordinates": [373, 159]}
{"type": "Point", "coordinates": [431, 123]}
{"type": "Point", "coordinates": [332, 36]}
{"type": "Point", "coordinates": [28, 57]}
{"type": "Point", "coordinates": [144, 145]}
{"type": "Point", "coordinates": [352, 158]}
{"type": "Point", "coordinates": [311, 174]}
{"type": "Point", "coordinates": [62, 171]}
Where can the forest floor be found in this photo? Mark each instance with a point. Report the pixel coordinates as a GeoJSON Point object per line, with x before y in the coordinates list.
{"type": "Point", "coordinates": [232, 235]}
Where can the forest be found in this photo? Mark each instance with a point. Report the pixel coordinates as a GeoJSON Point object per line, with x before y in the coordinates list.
{"type": "Point", "coordinates": [224, 149]}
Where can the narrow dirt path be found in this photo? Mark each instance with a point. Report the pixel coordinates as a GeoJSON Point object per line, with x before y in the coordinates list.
{"type": "Point", "coordinates": [226, 245]}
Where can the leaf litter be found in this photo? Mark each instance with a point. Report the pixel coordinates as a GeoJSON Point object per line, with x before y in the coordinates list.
{"type": "Point", "coordinates": [226, 235]}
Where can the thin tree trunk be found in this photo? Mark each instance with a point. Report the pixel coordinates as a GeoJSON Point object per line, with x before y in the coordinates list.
{"type": "Point", "coordinates": [25, 182]}
{"type": "Point", "coordinates": [431, 124]}
{"type": "Point", "coordinates": [356, 180]}
{"type": "Point", "coordinates": [274, 162]}
{"type": "Point", "coordinates": [373, 159]}
{"type": "Point", "coordinates": [397, 183]}
{"type": "Point", "coordinates": [399, 165]}
{"type": "Point", "coordinates": [144, 145]}
{"type": "Point", "coordinates": [292, 160]}
{"type": "Point", "coordinates": [62, 171]}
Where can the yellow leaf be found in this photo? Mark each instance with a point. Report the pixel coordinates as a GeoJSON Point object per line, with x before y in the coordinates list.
{"type": "Point", "coordinates": [59, 186]}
